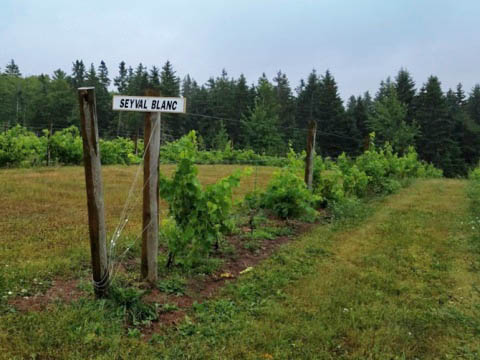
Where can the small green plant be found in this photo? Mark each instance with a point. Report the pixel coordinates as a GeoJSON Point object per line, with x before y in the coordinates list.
{"type": "Point", "coordinates": [263, 234]}
{"type": "Point", "coordinates": [174, 285]}
{"type": "Point", "coordinates": [251, 244]}
{"type": "Point", "coordinates": [129, 302]}
{"type": "Point", "coordinates": [165, 308]}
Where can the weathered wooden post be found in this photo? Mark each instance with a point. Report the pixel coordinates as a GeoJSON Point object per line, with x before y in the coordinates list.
{"type": "Point", "coordinates": [153, 106]}
{"type": "Point", "coordinates": [93, 180]}
{"type": "Point", "coordinates": [309, 160]}
{"type": "Point", "coordinates": [149, 266]}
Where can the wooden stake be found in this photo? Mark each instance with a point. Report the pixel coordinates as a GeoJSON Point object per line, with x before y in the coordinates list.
{"type": "Point", "coordinates": [312, 131]}
{"type": "Point", "coordinates": [93, 180]}
{"type": "Point", "coordinates": [50, 131]}
{"type": "Point", "coordinates": [150, 198]}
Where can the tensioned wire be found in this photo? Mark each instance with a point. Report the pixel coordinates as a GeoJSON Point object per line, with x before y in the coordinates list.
{"type": "Point", "coordinates": [237, 121]}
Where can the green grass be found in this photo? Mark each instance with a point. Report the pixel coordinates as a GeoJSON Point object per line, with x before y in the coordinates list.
{"type": "Point", "coordinates": [399, 280]}
{"type": "Point", "coordinates": [43, 219]}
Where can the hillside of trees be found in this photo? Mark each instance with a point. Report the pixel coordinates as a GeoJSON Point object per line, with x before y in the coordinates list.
{"type": "Point", "coordinates": [443, 126]}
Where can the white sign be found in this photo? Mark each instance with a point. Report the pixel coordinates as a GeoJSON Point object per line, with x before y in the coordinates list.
{"type": "Point", "coordinates": [149, 104]}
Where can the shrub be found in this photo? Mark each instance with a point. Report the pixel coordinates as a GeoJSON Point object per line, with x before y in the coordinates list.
{"type": "Point", "coordinates": [66, 146]}
{"type": "Point", "coordinates": [20, 147]}
{"type": "Point", "coordinates": [198, 217]}
{"type": "Point", "coordinates": [118, 151]}
{"type": "Point", "coordinates": [288, 197]}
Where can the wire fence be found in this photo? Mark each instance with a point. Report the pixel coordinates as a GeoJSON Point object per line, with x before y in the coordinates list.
{"type": "Point", "coordinates": [113, 130]}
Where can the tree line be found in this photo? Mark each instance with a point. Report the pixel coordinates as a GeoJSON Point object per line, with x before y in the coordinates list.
{"type": "Point", "coordinates": [265, 117]}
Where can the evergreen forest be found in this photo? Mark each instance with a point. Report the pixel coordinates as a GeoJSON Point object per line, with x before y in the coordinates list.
{"type": "Point", "coordinates": [266, 117]}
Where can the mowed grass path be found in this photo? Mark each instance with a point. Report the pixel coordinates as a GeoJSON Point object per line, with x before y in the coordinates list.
{"type": "Point", "coordinates": [43, 213]}
{"type": "Point", "coordinates": [404, 285]}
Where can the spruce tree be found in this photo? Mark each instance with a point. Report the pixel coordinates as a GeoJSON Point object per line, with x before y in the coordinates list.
{"type": "Point", "coordinates": [78, 74]}
{"type": "Point", "coordinates": [12, 69]}
{"type": "Point", "coordinates": [99, 79]}
{"type": "Point", "coordinates": [91, 76]}
{"type": "Point", "coordinates": [333, 130]}
{"type": "Point", "coordinates": [154, 78]}
{"type": "Point", "coordinates": [467, 132]}
{"type": "Point", "coordinates": [169, 82]}
{"type": "Point", "coordinates": [261, 124]}
{"type": "Point", "coordinates": [363, 109]}
{"type": "Point", "coordinates": [357, 116]}
{"type": "Point", "coordinates": [121, 81]}
{"type": "Point", "coordinates": [437, 143]}
{"type": "Point", "coordinates": [170, 86]}
{"type": "Point", "coordinates": [220, 139]}
{"type": "Point", "coordinates": [243, 100]}
{"type": "Point", "coordinates": [383, 89]}
{"type": "Point", "coordinates": [473, 104]}
{"type": "Point", "coordinates": [189, 91]}
{"type": "Point", "coordinates": [103, 75]}
{"type": "Point", "coordinates": [388, 121]}
{"type": "Point", "coordinates": [405, 89]}
{"type": "Point", "coordinates": [307, 108]}
{"type": "Point", "coordinates": [286, 103]}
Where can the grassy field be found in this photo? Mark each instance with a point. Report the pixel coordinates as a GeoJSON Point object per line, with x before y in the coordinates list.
{"type": "Point", "coordinates": [43, 215]}
{"type": "Point", "coordinates": [400, 281]}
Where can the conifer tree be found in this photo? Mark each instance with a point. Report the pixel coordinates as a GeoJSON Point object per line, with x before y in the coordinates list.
{"type": "Point", "coordinates": [170, 86]}
{"type": "Point", "coordinates": [121, 81]}
{"type": "Point", "coordinates": [59, 74]}
{"type": "Point", "coordinates": [189, 91]}
{"type": "Point", "coordinates": [384, 88]}
{"type": "Point", "coordinates": [169, 82]}
{"type": "Point", "coordinates": [333, 133]}
{"type": "Point", "coordinates": [154, 78]}
{"type": "Point", "coordinates": [12, 69]}
{"type": "Point", "coordinates": [437, 143]}
{"type": "Point", "coordinates": [261, 125]}
{"type": "Point", "coordinates": [100, 81]}
{"type": "Point", "coordinates": [243, 96]}
{"type": "Point", "coordinates": [473, 104]}
{"type": "Point", "coordinates": [388, 121]}
{"type": "Point", "coordinates": [307, 108]}
{"type": "Point", "coordinates": [286, 103]}
{"type": "Point", "coordinates": [357, 116]}
{"type": "Point", "coordinates": [405, 89]}
{"type": "Point", "coordinates": [103, 75]}
{"type": "Point", "coordinates": [220, 139]}
{"type": "Point", "coordinates": [467, 132]}
{"type": "Point", "coordinates": [78, 74]}
{"type": "Point", "coordinates": [91, 76]}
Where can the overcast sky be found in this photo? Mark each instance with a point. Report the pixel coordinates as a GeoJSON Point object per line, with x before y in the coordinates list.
{"type": "Point", "coordinates": [361, 42]}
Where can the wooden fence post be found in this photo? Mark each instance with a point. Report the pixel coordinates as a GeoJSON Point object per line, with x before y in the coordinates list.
{"type": "Point", "coordinates": [150, 198]}
{"type": "Point", "coordinates": [93, 180]}
{"type": "Point", "coordinates": [309, 160]}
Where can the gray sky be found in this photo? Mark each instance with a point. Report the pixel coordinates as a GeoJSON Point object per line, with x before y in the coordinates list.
{"type": "Point", "coordinates": [361, 42]}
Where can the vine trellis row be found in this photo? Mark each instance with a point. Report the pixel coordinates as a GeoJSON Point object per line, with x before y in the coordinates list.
{"type": "Point", "coordinates": [103, 255]}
